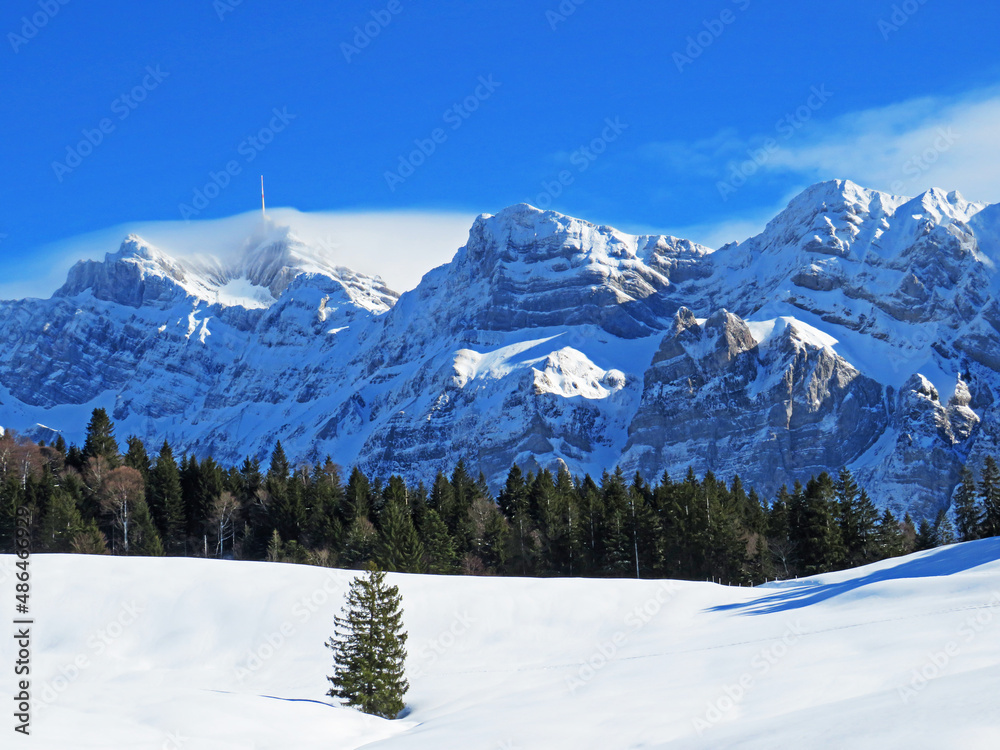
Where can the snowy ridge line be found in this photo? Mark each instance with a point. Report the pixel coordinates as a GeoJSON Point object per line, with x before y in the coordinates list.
{"type": "Point", "coordinates": [858, 329]}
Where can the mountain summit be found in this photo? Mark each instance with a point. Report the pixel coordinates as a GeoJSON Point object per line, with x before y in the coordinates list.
{"type": "Point", "coordinates": [858, 329]}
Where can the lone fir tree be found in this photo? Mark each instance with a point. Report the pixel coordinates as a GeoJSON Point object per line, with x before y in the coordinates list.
{"type": "Point", "coordinates": [369, 647]}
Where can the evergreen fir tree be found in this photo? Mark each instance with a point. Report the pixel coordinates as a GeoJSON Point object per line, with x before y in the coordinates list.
{"type": "Point", "coordinates": [100, 440]}
{"type": "Point", "coordinates": [821, 548]}
{"type": "Point", "coordinates": [137, 458]}
{"type": "Point", "coordinates": [360, 545]}
{"type": "Point", "coordinates": [325, 498]}
{"type": "Point", "coordinates": [61, 523]}
{"type": "Point", "coordinates": [147, 539]}
{"type": "Point", "coordinates": [275, 549]}
{"type": "Point", "coordinates": [944, 532]}
{"type": "Point", "coordinates": [989, 491]}
{"type": "Point", "coordinates": [926, 538]}
{"type": "Point", "coordinates": [357, 497]}
{"type": "Point", "coordinates": [889, 536]}
{"type": "Point", "coordinates": [369, 648]}
{"type": "Point", "coordinates": [399, 548]}
{"type": "Point", "coordinates": [89, 541]}
{"type": "Point", "coordinates": [439, 550]}
{"type": "Point", "coordinates": [968, 514]}
{"type": "Point", "coordinates": [866, 517]}
{"type": "Point", "coordinates": [166, 500]}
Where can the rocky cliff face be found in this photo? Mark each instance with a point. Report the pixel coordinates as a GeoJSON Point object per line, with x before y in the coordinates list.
{"type": "Point", "coordinates": [858, 329]}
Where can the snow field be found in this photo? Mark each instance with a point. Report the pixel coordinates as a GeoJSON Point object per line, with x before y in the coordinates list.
{"type": "Point", "coordinates": [183, 653]}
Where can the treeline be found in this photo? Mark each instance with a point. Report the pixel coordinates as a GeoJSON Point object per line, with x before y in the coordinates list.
{"type": "Point", "coordinates": [95, 499]}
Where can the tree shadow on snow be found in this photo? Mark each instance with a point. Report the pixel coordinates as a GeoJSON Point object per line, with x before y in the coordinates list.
{"type": "Point", "coordinates": [931, 564]}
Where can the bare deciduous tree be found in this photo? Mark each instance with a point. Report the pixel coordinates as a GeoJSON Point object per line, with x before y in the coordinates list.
{"type": "Point", "coordinates": [121, 490]}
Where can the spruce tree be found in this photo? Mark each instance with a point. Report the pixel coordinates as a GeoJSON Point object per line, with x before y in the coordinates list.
{"type": "Point", "coordinates": [926, 537]}
{"type": "Point", "coordinates": [100, 440]}
{"type": "Point", "coordinates": [357, 497]}
{"type": "Point", "coordinates": [866, 518]}
{"type": "Point", "coordinates": [967, 511]}
{"type": "Point", "coordinates": [137, 458]}
{"type": "Point", "coordinates": [360, 545]}
{"type": "Point", "coordinates": [62, 522]}
{"type": "Point", "coordinates": [369, 648]}
{"type": "Point", "coordinates": [944, 532]}
{"type": "Point", "coordinates": [439, 550]}
{"type": "Point", "coordinates": [989, 491]}
{"type": "Point", "coordinates": [821, 546]}
{"type": "Point", "coordinates": [166, 500]}
{"type": "Point", "coordinates": [399, 548]}
{"type": "Point", "coordinates": [889, 536]}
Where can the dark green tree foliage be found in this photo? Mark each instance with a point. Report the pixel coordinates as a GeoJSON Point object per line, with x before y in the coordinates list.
{"type": "Point", "coordinates": [360, 545]}
{"type": "Point", "coordinates": [147, 540]}
{"type": "Point", "coordinates": [137, 458]}
{"type": "Point", "coordinates": [357, 498]}
{"type": "Point", "coordinates": [464, 490]}
{"type": "Point", "coordinates": [166, 500]}
{"type": "Point", "coordinates": [324, 500]}
{"type": "Point", "coordinates": [821, 547]}
{"type": "Point", "coordinates": [513, 502]}
{"type": "Point", "coordinates": [619, 557]}
{"type": "Point", "coordinates": [889, 536]}
{"type": "Point", "coordinates": [541, 524]}
{"type": "Point", "coordinates": [488, 536]}
{"type": "Point", "coordinates": [968, 514]}
{"type": "Point", "coordinates": [62, 523]}
{"type": "Point", "coordinates": [399, 547]}
{"type": "Point", "coordinates": [439, 550]}
{"type": "Point", "coordinates": [926, 537]}
{"type": "Point", "coordinates": [989, 492]}
{"type": "Point", "coordinates": [369, 648]}
{"type": "Point", "coordinates": [944, 532]}
{"type": "Point", "coordinates": [100, 440]}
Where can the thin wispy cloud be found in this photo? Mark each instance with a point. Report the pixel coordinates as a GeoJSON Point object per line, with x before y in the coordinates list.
{"type": "Point", "coordinates": [399, 246]}
{"type": "Point", "coordinates": [907, 148]}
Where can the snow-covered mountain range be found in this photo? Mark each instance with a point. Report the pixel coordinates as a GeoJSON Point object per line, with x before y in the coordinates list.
{"type": "Point", "coordinates": [857, 329]}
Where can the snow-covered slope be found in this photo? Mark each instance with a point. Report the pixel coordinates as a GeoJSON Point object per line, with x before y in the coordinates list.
{"type": "Point", "coordinates": [183, 653]}
{"type": "Point", "coordinates": [858, 329]}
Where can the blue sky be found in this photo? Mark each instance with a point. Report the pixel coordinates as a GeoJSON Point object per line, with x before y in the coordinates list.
{"type": "Point", "coordinates": [697, 118]}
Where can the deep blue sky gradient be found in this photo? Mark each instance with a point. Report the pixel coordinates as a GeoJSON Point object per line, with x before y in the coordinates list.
{"type": "Point", "coordinates": [353, 120]}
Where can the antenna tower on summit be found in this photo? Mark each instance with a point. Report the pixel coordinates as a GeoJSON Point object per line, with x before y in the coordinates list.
{"type": "Point", "coordinates": [262, 197]}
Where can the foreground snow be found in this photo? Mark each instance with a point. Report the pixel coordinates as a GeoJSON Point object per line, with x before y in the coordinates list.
{"type": "Point", "coordinates": [177, 653]}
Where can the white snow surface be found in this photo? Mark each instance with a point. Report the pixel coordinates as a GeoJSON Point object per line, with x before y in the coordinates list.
{"type": "Point", "coordinates": [532, 345]}
{"type": "Point", "coordinates": [155, 653]}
